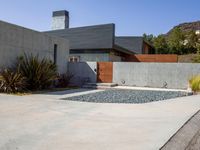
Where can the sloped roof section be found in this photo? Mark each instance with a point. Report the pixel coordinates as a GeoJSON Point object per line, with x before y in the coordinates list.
{"type": "Point", "coordinates": [90, 37]}
{"type": "Point", "coordinates": [134, 44]}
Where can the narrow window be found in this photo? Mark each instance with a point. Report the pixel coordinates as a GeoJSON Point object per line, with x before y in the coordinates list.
{"type": "Point", "coordinates": [55, 53]}
{"type": "Point", "coordinates": [74, 59]}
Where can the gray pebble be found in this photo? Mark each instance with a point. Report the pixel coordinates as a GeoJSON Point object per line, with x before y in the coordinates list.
{"type": "Point", "coordinates": [127, 96]}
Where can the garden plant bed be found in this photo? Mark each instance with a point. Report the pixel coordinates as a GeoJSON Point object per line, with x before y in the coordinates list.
{"type": "Point", "coordinates": [127, 96]}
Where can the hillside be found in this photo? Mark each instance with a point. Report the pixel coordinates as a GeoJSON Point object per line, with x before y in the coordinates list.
{"type": "Point", "coordinates": [190, 26]}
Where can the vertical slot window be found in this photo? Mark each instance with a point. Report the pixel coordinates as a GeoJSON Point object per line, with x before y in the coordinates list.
{"type": "Point", "coordinates": [55, 53]}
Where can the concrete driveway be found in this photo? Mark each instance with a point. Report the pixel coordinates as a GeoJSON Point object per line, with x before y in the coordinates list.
{"type": "Point", "coordinates": [43, 122]}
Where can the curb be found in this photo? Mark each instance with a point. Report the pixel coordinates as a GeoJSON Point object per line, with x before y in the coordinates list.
{"type": "Point", "coordinates": [183, 138]}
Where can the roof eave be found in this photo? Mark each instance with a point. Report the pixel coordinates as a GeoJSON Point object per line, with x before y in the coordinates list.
{"type": "Point", "coordinates": [121, 49]}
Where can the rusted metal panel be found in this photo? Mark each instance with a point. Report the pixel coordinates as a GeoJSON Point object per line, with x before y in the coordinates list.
{"type": "Point", "coordinates": [105, 72]}
{"type": "Point", "coordinates": [153, 58]}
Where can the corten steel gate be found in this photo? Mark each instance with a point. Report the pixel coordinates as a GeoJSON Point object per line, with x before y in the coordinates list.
{"type": "Point", "coordinates": [104, 72]}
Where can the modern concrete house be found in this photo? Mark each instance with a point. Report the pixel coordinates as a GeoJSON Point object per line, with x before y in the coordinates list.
{"type": "Point", "coordinates": [96, 43]}
{"type": "Point", "coordinates": [16, 40]}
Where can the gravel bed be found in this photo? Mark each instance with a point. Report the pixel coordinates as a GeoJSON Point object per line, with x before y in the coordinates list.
{"type": "Point", "coordinates": [127, 96]}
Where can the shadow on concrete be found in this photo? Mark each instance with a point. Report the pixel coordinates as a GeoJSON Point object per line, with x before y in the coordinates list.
{"type": "Point", "coordinates": [84, 72]}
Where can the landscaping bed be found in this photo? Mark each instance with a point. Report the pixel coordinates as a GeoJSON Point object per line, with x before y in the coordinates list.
{"type": "Point", "coordinates": [127, 96]}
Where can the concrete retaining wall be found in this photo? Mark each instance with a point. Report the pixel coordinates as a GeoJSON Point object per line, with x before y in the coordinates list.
{"type": "Point", "coordinates": [158, 75]}
{"type": "Point", "coordinates": [169, 75]}
{"type": "Point", "coordinates": [83, 72]}
{"type": "Point", "coordinates": [15, 40]}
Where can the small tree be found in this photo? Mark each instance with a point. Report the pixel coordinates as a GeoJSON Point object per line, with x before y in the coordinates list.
{"type": "Point", "coordinates": [198, 48]}
{"type": "Point", "coordinates": [160, 45]}
{"type": "Point", "coordinates": [176, 41]}
{"type": "Point", "coordinates": [149, 38]}
{"type": "Point", "coordinates": [192, 42]}
{"type": "Point", "coordinates": [197, 58]}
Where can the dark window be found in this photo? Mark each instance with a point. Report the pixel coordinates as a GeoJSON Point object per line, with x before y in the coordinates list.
{"type": "Point", "coordinates": [55, 53]}
{"type": "Point", "coordinates": [74, 59]}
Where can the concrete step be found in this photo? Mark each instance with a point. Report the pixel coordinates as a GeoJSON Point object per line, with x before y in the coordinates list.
{"type": "Point", "coordinates": [99, 85]}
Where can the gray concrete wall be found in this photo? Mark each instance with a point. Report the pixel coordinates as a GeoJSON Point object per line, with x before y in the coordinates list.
{"type": "Point", "coordinates": [92, 57]}
{"type": "Point", "coordinates": [83, 72]}
{"type": "Point", "coordinates": [60, 22]}
{"type": "Point", "coordinates": [175, 75]}
{"type": "Point", "coordinates": [15, 40]}
{"type": "Point", "coordinates": [104, 57]}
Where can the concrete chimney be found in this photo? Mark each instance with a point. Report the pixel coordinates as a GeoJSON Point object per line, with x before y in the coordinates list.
{"type": "Point", "coordinates": [60, 20]}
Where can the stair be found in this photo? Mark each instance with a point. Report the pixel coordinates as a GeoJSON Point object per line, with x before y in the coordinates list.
{"type": "Point", "coordinates": [99, 85]}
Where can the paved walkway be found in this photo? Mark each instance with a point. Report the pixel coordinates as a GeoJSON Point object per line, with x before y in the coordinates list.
{"type": "Point", "coordinates": [43, 122]}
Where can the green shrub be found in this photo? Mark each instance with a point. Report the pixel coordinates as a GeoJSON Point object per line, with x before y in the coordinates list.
{"type": "Point", "coordinates": [64, 80]}
{"type": "Point", "coordinates": [12, 81]}
{"type": "Point", "coordinates": [196, 59]}
{"type": "Point", "coordinates": [195, 83]}
{"type": "Point", "coordinates": [40, 73]}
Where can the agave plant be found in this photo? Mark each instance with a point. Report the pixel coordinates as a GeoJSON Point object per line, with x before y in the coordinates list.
{"type": "Point", "coordinates": [12, 81]}
{"type": "Point", "coordinates": [40, 73]}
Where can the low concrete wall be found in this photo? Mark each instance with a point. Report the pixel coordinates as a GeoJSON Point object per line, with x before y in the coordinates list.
{"type": "Point", "coordinates": [16, 40]}
{"type": "Point", "coordinates": [169, 75]}
{"type": "Point", "coordinates": [158, 75]}
{"type": "Point", "coordinates": [83, 72]}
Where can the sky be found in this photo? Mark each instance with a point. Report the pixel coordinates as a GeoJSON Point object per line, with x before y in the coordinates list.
{"type": "Point", "coordinates": [131, 17]}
